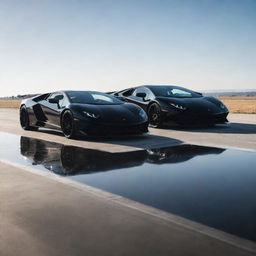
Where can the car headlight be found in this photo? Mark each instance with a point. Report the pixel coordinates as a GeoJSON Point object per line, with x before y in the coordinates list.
{"type": "Point", "coordinates": [178, 106]}
{"type": "Point", "coordinates": [222, 106]}
{"type": "Point", "coordinates": [217, 102]}
{"type": "Point", "coordinates": [143, 114]}
{"type": "Point", "coordinates": [91, 115]}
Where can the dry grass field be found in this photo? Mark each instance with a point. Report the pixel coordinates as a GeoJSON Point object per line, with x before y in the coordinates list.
{"type": "Point", "coordinates": [240, 104]}
{"type": "Point", "coordinates": [10, 103]}
{"type": "Point", "coordinates": [235, 104]}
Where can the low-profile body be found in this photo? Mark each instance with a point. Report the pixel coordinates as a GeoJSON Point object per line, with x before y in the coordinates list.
{"type": "Point", "coordinates": [174, 104]}
{"type": "Point", "coordinates": [85, 112]}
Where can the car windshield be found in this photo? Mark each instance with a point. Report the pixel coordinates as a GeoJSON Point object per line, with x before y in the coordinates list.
{"type": "Point", "coordinates": [96, 98]}
{"type": "Point", "coordinates": [173, 91]}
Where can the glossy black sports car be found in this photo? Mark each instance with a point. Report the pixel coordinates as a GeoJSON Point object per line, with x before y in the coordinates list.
{"type": "Point", "coordinates": [174, 104]}
{"type": "Point", "coordinates": [85, 112]}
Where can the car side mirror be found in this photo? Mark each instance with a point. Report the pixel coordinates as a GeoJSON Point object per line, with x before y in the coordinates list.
{"type": "Point", "coordinates": [54, 101]}
{"type": "Point", "coordinates": [141, 95]}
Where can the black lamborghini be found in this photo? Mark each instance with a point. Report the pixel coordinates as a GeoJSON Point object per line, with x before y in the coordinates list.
{"type": "Point", "coordinates": [82, 112]}
{"type": "Point", "coordinates": [175, 105]}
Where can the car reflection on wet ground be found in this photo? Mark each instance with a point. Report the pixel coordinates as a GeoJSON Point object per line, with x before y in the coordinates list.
{"type": "Point", "coordinates": [71, 160]}
{"type": "Point", "coordinates": [209, 185]}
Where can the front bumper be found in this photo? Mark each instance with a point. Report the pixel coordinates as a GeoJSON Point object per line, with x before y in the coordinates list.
{"type": "Point", "coordinates": [94, 128]}
{"type": "Point", "coordinates": [195, 119]}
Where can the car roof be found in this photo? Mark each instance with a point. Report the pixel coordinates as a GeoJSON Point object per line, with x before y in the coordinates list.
{"type": "Point", "coordinates": [80, 91]}
{"type": "Point", "coordinates": [151, 87]}
{"type": "Point", "coordinates": [159, 85]}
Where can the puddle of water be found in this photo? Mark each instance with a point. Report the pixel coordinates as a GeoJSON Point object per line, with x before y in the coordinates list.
{"type": "Point", "coordinates": [212, 186]}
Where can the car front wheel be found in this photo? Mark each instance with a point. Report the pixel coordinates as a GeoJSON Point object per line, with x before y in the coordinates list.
{"type": "Point", "coordinates": [155, 115]}
{"type": "Point", "coordinates": [68, 125]}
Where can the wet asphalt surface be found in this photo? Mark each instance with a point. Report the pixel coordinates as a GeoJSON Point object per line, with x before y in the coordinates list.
{"type": "Point", "coordinates": [209, 185]}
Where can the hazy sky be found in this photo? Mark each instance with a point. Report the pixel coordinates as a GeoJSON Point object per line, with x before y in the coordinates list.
{"type": "Point", "coordinates": [107, 45]}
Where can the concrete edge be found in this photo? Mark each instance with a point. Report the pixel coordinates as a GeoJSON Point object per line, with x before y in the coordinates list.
{"type": "Point", "coordinates": [167, 217]}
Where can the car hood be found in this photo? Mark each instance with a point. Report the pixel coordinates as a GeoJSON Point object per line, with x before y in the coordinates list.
{"type": "Point", "coordinates": [200, 104]}
{"type": "Point", "coordinates": [123, 113]}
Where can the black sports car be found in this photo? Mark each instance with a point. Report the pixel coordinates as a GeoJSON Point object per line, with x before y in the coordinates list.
{"type": "Point", "coordinates": [174, 104]}
{"type": "Point", "coordinates": [85, 112]}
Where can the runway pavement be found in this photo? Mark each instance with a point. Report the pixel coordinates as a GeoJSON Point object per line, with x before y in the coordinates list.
{"type": "Point", "coordinates": [42, 214]}
{"type": "Point", "coordinates": [239, 133]}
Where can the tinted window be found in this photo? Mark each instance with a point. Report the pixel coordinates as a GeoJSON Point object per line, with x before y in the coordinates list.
{"type": "Point", "coordinates": [138, 90]}
{"type": "Point", "coordinates": [56, 95]}
{"type": "Point", "coordinates": [149, 94]}
{"type": "Point", "coordinates": [96, 98]}
{"type": "Point", "coordinates": [173, 91]}
{"type": "Point", "coordinates": [59, 96]}
{"type": "Point", "coordinates": [64, 102]}
{"type": "Point", "coordinates": [128, 92]}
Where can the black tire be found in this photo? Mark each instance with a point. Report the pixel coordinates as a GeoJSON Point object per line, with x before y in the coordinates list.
{"type": "Point", "coordinates": [155, 115]}
{"type": "Point", "coordinates": [68, 125]}
{"type": "Point", "coordinates": [24, 120]}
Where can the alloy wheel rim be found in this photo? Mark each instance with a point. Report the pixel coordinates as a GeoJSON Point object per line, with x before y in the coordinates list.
{"type": "Point", "coordinates": [154, 116]}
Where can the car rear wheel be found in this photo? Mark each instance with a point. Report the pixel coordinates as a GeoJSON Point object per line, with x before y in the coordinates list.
{"type": "Point", "coordinates": [155, 115]}
{"type": "Point", "coordinates": [68, 125]}
{"type": "Point", "coordinates": [24, 120]}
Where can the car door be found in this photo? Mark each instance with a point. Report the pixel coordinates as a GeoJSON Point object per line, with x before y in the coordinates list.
{"type": "Point", "coordinates": [52, 111]}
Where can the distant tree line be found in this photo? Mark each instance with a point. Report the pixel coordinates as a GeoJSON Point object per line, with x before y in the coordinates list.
{"type": "Point", "coordinates": [19, 96]}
